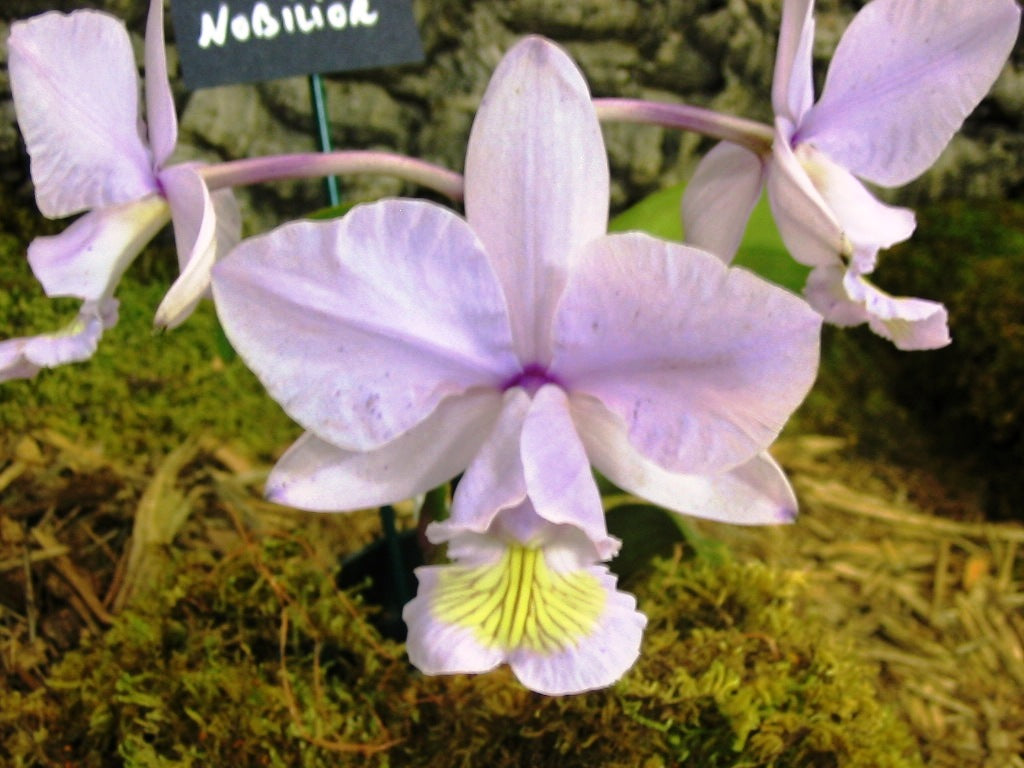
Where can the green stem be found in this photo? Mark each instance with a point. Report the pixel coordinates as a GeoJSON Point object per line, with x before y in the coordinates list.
{"type": "Point", "coordinates": [398, 569]}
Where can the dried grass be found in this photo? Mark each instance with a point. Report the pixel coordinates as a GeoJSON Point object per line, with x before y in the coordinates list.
{"type": "Point", "coordinates": [939, 603]}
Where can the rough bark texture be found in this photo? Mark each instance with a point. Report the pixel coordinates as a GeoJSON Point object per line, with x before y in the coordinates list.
{"type": "Point", "coordinates": [716, 53]}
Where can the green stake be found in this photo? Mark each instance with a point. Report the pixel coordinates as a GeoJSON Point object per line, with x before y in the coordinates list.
{"type": "Point", "coordinates": [323, 132]}
{"type": "Point", "coordinates": [387, 512]}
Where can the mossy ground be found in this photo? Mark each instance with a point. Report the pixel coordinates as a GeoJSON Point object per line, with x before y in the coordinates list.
{"type": "Point", "coordinates": [258, 659]}
{"type": "Point", "coordinates": [233, 645]}
{"type": "Point", "coordinates": [143, 392]}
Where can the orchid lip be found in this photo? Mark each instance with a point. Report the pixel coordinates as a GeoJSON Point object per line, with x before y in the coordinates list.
{"type": "Point", "coordinates": [531, 378]}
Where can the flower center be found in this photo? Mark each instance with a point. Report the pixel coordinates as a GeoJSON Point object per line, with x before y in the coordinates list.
{"type": "Point", "coordinates": [531, 378]}
{"type": "Point", "coordinates": [519, 602]}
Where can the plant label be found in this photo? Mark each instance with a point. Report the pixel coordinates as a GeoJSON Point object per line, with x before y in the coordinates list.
{"type": "Point", "coordinates": [243, 41]}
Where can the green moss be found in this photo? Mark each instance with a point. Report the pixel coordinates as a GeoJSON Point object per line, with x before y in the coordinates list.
{"type": "Point", "coordinates": [258, 659]}
{"type": "Point", "coordinates": [143, 392]}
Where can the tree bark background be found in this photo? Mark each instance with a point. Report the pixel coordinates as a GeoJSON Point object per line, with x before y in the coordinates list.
{"type": "Point", "coordinates": [714, 53]}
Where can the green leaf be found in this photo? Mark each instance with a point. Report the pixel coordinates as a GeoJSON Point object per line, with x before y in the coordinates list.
{"type": "Point", "coordinates": [333, 212]}
{"type": "Point", "coordinates": [657, 214]}
{"type": "Point", "coordinates": [646, 532]}
{"type": "Point", "coordinates": [707, 549]}
{"type": "Point", "coordinates": [649, 531]}
{"type": "Point", "coordinates": [761, 250]}
{"type": "Point", "coordinates": [224, 348]}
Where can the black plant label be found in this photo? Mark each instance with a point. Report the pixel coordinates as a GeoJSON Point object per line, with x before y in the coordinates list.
{"type": "Point", "coordinates": [243, 41]}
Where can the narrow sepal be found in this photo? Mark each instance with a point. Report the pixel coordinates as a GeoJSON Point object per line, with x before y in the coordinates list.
{"type": "Point", "coordinates": [537, 181]}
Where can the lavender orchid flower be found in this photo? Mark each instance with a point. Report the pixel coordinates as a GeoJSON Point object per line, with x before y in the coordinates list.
{"type": "Point", "coordinates": [76, 93]}
{"type": "Point", "coordinates": [520, 345]}
{"type": "Point", "coordinates": [904, 77]}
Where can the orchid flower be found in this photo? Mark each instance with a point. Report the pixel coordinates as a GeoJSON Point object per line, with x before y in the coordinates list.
{"type": "Point", "coordinates": [520, 345]}
{"type": "Point", "coordinates": [528, 593]}
{"type": "Point", "coordinates": [76, 95]}
{"type": "Point", "coordinates": [904, 76]}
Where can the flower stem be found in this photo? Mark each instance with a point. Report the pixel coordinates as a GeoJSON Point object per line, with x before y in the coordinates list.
{"type": "Point", "coordinates": [310, 164]}
{"type": "Point", "coordinates": [399, 570]}
{"type": "Point", "coordinates": [755, 136]}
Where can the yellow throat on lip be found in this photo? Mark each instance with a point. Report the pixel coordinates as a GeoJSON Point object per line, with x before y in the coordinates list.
{"type": "Point", "coordinates": [520, 602]}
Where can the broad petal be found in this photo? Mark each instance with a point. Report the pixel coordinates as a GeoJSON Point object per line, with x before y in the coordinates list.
{"type": "Point", "coordinates": [76, 96]}
{"type": "Point", "coordinates": [439, 647]}
{"type": "Point", "coordinates": [754, 493]}
{"type": "Point", "coordinates": [904, 76]}
{"type": "Point", "coordinates": [540, 605]}
{"type": "Point", "coordinates": [161, 116]}
{"type": "Point", "coordinates": [598, 659]}
{"type": "Point", "coordinates": [719, 198]}
{"type": "Point", "coordinates": [87, 259]}
{"type": "Point", "coordinates": [205, 228]}
{"type": "Point", "coordinates": [23, 358]}
{"type": "Point", "coordinates": [320, 477]}
{"type": "Point", "coordinates": [367, 323]}
{"type": "Point", "coordinates": [704, 364]}
{"type": "Point", "coordinates": [867, 223]}
{"type": "Point", "coordinates": [537, 183]}
{"type": "Point", "coordinates": [792, 81]}
{"type": "Point", "coordinates": [806, 224]}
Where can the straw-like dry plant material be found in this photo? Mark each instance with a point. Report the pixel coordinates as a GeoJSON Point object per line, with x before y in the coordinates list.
{"type": "Point", "coordinates": [81, 533]}
{"type": "Point", "coordinates": [938, 602]}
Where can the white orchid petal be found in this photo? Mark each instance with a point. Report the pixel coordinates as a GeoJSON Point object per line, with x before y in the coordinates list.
{"type": "Point", "coordinates": [541, 605]}
{"type": "Point", "coordinates": [720, 197]}
{"type": "Point", "coordinates": [904, 76]}
{"type": "Point", "coordinates": [537, 182]}
{"type": "Point", "coordinates": [827, 294]}
{"type": "Point", "coordinates": [560, 484]}
{"type": "Point", "coordinates": [365, 324]}
{"type": "Point", "coordinates": [754, 493]}
{"type": "Point", "coordinates": [909, 323]}
{"type": "Point", "coordinates": [22, 358]}
{"type": "Point", "coordinates": [87, 259]}
{"type": "Point", "coordinates": [318, 476]}
{"type": "Point", "coordinates": [807, 225]}
{"type": "Point", "coordinates": [76, 94]}
{"type": "Point", "coordinates": [845, 298]}
{"type": "Point", "coordinates": [866, 222]}
{"type": "Point", "coordinates": [494, 480]}
{"type": "Point", "coordinates": [206, 227]}
{"type": "Point", "coordinates": [792, 83]}
{"type": "Point", "coordinates": [703, 363]}
{"type": "Point", "coordinates": [161, 117]}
